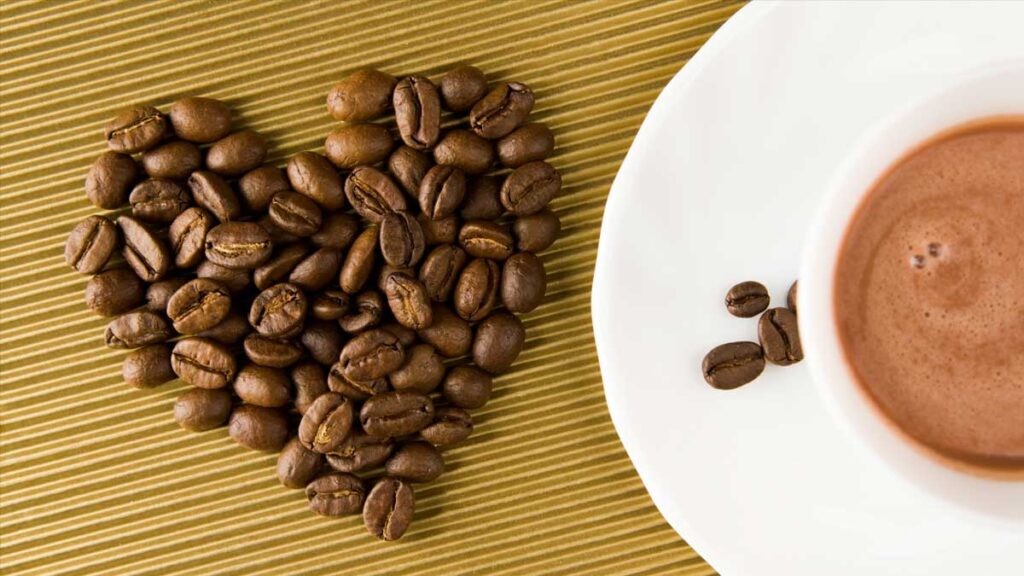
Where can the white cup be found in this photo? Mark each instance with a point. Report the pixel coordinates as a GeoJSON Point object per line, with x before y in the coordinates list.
{"type": "Point", "coordinates": [992, 91]}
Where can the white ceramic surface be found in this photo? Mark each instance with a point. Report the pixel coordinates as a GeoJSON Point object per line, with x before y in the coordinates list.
{"type": "Point", "coordinates": [719, 187]}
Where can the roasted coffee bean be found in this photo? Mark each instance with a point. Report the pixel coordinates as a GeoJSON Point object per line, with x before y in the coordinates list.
{"type": "Point", "coordinates": [536, 232]}
{"type": "Point", "coordinates": [746, 299]}
{"type": "Point", "coordinates": [387, 270]}
{"type": "Point", "coordinates": [231, 330]}
{"type": "Point", "coordinates": [732, 365]}
{"type": "Point", "coordinates": [135, 130]}
{"type": "Point", "coordinates": [174, 160]}
{"type": "Point", "coordinates": [499, 340]}
{"type": "Point", "coordinates": [467, 387]}
{"type": "Point", "coordinates": [441, 191]}
{"type": "Point", "coordinates": [330, 305]}
{"type": "Point", "coordinates": [363, 95]}
{"type": "Point", "coordinates": [236, 153]}
{"type": "Point", "coordinates": [278, 311]}
{"type": "Point", "coordinates": [295, 214]}
{"type": "Point", "coordinates": [389, 508]}
{"type": "Point", "coordinates": [529, 188]}
{"type": "Point", "coordinates": [421, 372]}
{"type": "Point", "coordinates": [215, 194]}
{"type": "Point", "coordinates": [358, 265]}
{"type": "Point", "coordinates": [279, 266]}
{"type": "Point", "coordinates": [523, 282]}
{"type": "Point", "coordinates": [297, 466]}
{"type": "Point", "coordinates": [337, 231]}
{"type": "Point", "coordinates": [451, 425]}
{"type": "Point", "coordinates": [406, 336]}
{"type": "Point", "coordinates": [90, 244]}
{"type": "Point", "coordinates": [408, 166]}
{"type": "Point", "coordinates": [336, 494]}
{"type": "Point", "coordinates": [272, 352]}
{"type": "Point", "coordinates": [198, 305]}
{"type": "Point", "coordinates": [259, 428]}
{"type": "Point", "coordinates": [203, 363]}
{"type": "Point", "coordinates": [235, 280]}
{"type": "Point", "coordinates": [148, 366]}
{"type": "Point", "coordinates": [529, 143]}
{"type": "Point", "coordinates": [239, 245]}
{"type": "Point", "coordinates": [337, 382]}
{"type": "Point", "coordinates": [109, 180]}
{"type": "Point", "coordinates": [408, 301]}
{"type": "Point", "coordinates": [780, 337]}
{"type": "Point", "coordinates": [114, 292]}
{"type": "Point", "coordinates": [477, 292]}
{"type": "Point", "coordinates": [326, 423]}
{"type": "Point", "coordinates": [466, 151]}
{"type": "Point", "coordinates": [277, 236]}
{"type": "Point", "coordinates": [417, 112]}
{"type": "Point", "coordinates": [200, 409]}
{"type": "Point", "coordinates": [443, 231]}
{"type": "Point", "coordinates": [483, 199]}
{"type": "Point", "coordinates": [401, 239]}
{"type": "Point", "coordinates": [316, 270]}
{"type": "Point", "coordinates": [396, 414]}
{"type": "Point", "coordinates": [312, 175]}
{"type": "Point", "coordinates": [158, 200]}
{"type": "Point", "coordinates": [371, 355]}
{"type": "Point", "coordinates": [441, 270]}
{"type": "Point", "coordinates": [373, 193]}
{"type": "Point", "coordinates": [415, 462]}
{"type": "Point", "coordinates": [450, 335]}
{"type": "Point", "coordinates": [259, 185]}
{"type": "Point", "coordinates": [360, 451]}
{"type": "Point", "coordinates": [136, 329]}
{"type": "Point", "coordinates": [200, 119]}
{"type": "Point", "coordinates": [502, 110]}
{"type": "Point", "coordinates": [188, 236]}
{"type": "Point", "coordinates": [791, 297]}
{"type": "Point", "coordinates": [310, 381]}
{"type": "Point", "coordinates": [323, 340]}
{"type": "Point", "coordinates": [358, 145]}
{"type": "Point", "coordinates": [368, 310]}
{"type": "Point", "coordinates": [263, 386]}
{"type": "Point", "coordinates": [484, 239]}
{"type": "Point", "coordinates": [462, 87]}
{"type": "Point", "coordinates": [158, 295]}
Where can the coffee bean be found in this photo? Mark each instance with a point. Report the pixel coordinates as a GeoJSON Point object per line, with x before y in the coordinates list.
{"type": "Point", "coordinates": [200, 409]}
{"type": "Point", "coordinates": [389, 508]}
{"type": "Point", "coordinates": [279, 266]}
{"type": "Point", "coordinates": [330, 305]}
{"type": "Point", "coordinates": [408, 166]}
{"type": "Point", "coordinates": [338, 382]}
{"type": "Point", "coordinates": [372, 193]}
{"type": "Point", "coordinates": [360, 451]}
{"type": "Point", "coordinates": [791, 297]}
{"type": "Point", "coordinates": [323, 340]}
{"type": "Point", "coordinates": [421, 372]}
{"type": "Point", "coordinates": [199, 305]}
{"type": "Point", "coordinates": [467, 387]}
{"type": "Point", "coordinates": [336, 494]}
{"type": "Point", "coordinates": [203, 363]}
{"type": "Point", "coordinates": [295, 214]}
{"type": "Point", "coordinates": [312, 175]}
{"type": "Point", "coordinates": [239, 245]}
{"type": "Point", "coordinates": [367, 313]}
{"type": "Point", "coordinates": [259, 185]}
{"type": "Point", "coordinates": [732, 365]}
{"type": "Point", "coordinates": [443, 231]}
{"type": "Point", "coordinates": [158, 295]}
{"type": "Point", "coordinates": [235, 280]}
{"type": "Point", "coordinates": [529, 188]}
{"type": "Point", "coordinates": [364, 95]}
{"type": "Point", "coordinates": [114, 292]}
{"type": "Point", "coordinates": [326, 422]}
{"type": "Point", "coordinates": [262, 386]}
{"type": "Point", "coordinates": [200, 119]}
{"type": "Point", "coordinates": [278, 311]}
{"type": "Point", "coordinates": [371, 355]}
{"type": "Point", "coordinates": [272, 352]}
{"type": "Point", "coordinates": [499, 340]}
{"type": "Point", "coordinates": [441, 270]}
{"type": "Point", "coordinates": [236, 153]}
{"type": "Point", "coordinates": [148, 366]}
{"type": "Point", "coordinates": [358, 265]}
{"type": "Point", "coordinates": [502, 110]}
{"type": "Point", "coordinates": [483, 199]}
{"type": "Point", "coordinates": [231, 330]}
{"type": "Point", "coordinates": [451, 425]}
{"type": "Point", "coordinates": [408, 301]}
{"type": "Point", "coordinates": [297, 466]}
{"type": "Point", "coordinates": [316, 270]}
{"type": "Point", "coordinates": [466, 151]}
{"type": "Point", "coordinates": [401, 239]}
{"type": "Point", "coordinates": [449, 334]}
{"type": "Point", "coordinates": [417, 111]}
{"type": "Point", "coordinates": [747, 299]}
{"type": "Point", "coordinates": [215, 194]}
{"type": "Point", "coordinates": [135, 130]}
{"type": "Point", "coordinates": [310, 381]}
{"type": "Point", "coordinates": [441, 191]}
{"type": "Point", "coordinates": [174, 160]}
{"type": "Point", "coordinates": [780, 337]}
{"type": "Point", "coordinates": [278, 237]}
{"type": "Point", "coordinates": [523, 282]}
{"type": "Point", "coordinates": [259, 428]}
{"type": "Point", "coordinates": [415, 462]}
{"type": "Point", "coordinates": [484, 239]}
{"type": "Point", "coordinates": [337, 231]}
{"type": "Point", "coordinates": [136, 329]}
{"type": "Point", "coordinates": [109, 180]}
{"type": "Point", "coordinates": [358, 145]}
{"type": "Point", "coordinates": [536, 232]}
{"type": "Point", "coordinates": [462, 87]}
{"type": "Point", "coordinates": [531, 142]}
{"type": "Point", "coordinates": [477, 292]}
{"type": "Point", "coordinates": [396, 414]}
{"type": "Point", "coordinates": [158, 200]}
{"type": "Point", "coordinates": [90, 244]}
{"type": "Point", "coordinates": [188, 236]}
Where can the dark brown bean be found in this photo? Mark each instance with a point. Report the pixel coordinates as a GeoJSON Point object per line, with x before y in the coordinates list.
{"type": "Point", "coordinates": [136, 329]}
{"type": "Point", "coordinates": [90, 244]}
{"type": "Point", "coordinates": [360, 451]}
{"type": "Point", "coordinates": [259, 185]}
{"type": "Point", "coordinates": [363, 95]}
{"type": "Point", "coordinates": [215, 194]}
{"type": "Point", "coordinates": [358, 145]}
{"type": "Point", "coordinates": [387, 270]}
{"type": "Point", "coordinates": [499, 340]}
{"type": "Point", "coordinates": [530, 187]}
{"type": "Point", "coordinates": [259, 428]}
{"type": "Point", "coordinates": [421, 372]}
{"type": "Point", "coordinates": [272, 352]}
{"type": "Point", "coordinates": [158, 295]}
{"type": "Point", "coordinates": [462, 87]}
{"type": "Point", "coordinates": [198, 305]}
{"type": "Point", "coordinates": [502, 110]}
{"type": "Point", "coordinates": [336, 494]}
{"type": "Point", "coordinates": [536, 232]}
{"type": "Point", "coordinates": [200, 119]}
{"type": "Point", "coordinates": [369, 308]}
{"type": "Point", "coordinates": [483, 199]}
{"type": "Point", "coordinates": [235, 280]}
{"type": "Point", "coordinates": [358, 265]}
{"type": "Point", "coordinates": [477, 292]}
{"type": "Point", "coordinates": [174, 160]}
{"type": "Point", "coordinates": [231, 330]}
{"type": "Point", "coordinates": [523, 282]}
{"type": "Point", "coordinates": [277, 236]}
{"type": "Point", "coordinates": [443, 231]}
{"type": "Point", "coordinates": [466, 151]}
{"type": "Point", "coordinates": [395, 414]}
{"type": "Point", "coordinates": [203, 363]}
{"type": "Point", "coordinates": [316, 270]}
{"type": "Point", "coordinates": [237, 153]}
{"type": "Point", "coordinates": [450, 335]}
{"type": "Point", "coordinates": [408, 301]}
{"type": "Point", "coordinates": [484, 239]}
{"type": "Point", "coordinates": [158, 201]}
{"type": "Point", "coordinates": [451, 425]}
{"type": "Point", "coordinates": [263, 386]}
{"type": "Point", "coordinates": [312, 175]}
{"type": "Point", "coordinates": [279, 266]}
{"type": "Point", "coordinates": [326, 423]}
{"type": "Point", "coordinates": [747, 299]}
{"type": "Point", "coordinates": [389, 508]}
{"type": "Point", "coordinates": [109, 180]}
{"type": "Point", "coordinates": [467, 387]}
{"type": "Point", "coordinates": [401, 239]}
{"type": "Point", "coordinates": [415, 462]}
{"type": "Point", "coordinates": [406, 336]}
{"type": "Point", "coordinates": [408, 166]}
{"type": "Point", "coordinates": [297, 466]}
{"type": "Point", "coordinates": [243, 245]}
{"type": "Point", "coordinates": [330, 305]}
{"type": "Point", "coordinates": [147, 255]}
{"type": "Point", "coordinates": [417, 111]}
{"type": "Point", "coordinates": [295, 214]}
{"type": "Point", "coordinates": [780, 337]}
{"type": "Point", "coordinates": [148, 366]}
{"type": "Point", "coordinates": [732, 365]}
{"type": "Point", "coordinates": [114, 292]}
{"type": "Point", "coordinates": [278, 311]}
{"type": "Point", "coordinates": [338, 382]}
{"type": "Point", "coordinates": [310, 381]}
{"type": "Point", "coordinates": [323, 340]}
{"type": "Point", "coordinates": [373, 193]}
{"type": "Point", "coordinates": [441, 191]}
{"type": "Point", "coordinates": [135, 130]}
{"type": "Point", "coordinates": [531, 142]}
{"type": "Point", "coordinates": [371, 355]}
{"type": "Point", "coordinates": [199, 409]}
{"type": "Point", "coordinates": [337, 231]}
{"type": "Point", "coordinates": [440, 271]}
{"type": "Point", "coordinates": [188, 236]}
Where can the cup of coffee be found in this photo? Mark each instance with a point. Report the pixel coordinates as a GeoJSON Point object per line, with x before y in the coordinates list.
{"type": "Point", "coordinates": [912, 294]}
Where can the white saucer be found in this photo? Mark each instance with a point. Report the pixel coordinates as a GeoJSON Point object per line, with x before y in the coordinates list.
{"type": "Point", "coordinates": [719, 187]}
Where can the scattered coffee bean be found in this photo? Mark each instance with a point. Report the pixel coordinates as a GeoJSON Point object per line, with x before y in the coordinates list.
{"type": "Point", "coordinates": [499, 340]}
{"type": "Point", "coordinates": [272, 352]}
{"type": "Point", "coordinates": [295, 214]}
{"type": "Point", "coordinates": [523, 282]}
{"type": "Point", "coordinates": [451, 425]}
{"type": "Point", "coordinates": [200, 409]}
{"type": "Point", "coordinates": [215, 194]}
{"type": "Point", "coordinates": [90, 244]}
{"type": "Point", "coordinates": [198, 305]}
{"type": "Point", "coordinates": [408, 166]}
{"type": "Point", "coordinates": [780, 337]}
{"type": "Point", "coordinates": [421, 372]}
{"type": "Point", "coordinates": [466, 151]}
{"type": "Point", "coordinates": [330, 305]}
{"type": "Point", "coordinates": [238, 245]}
{"type": "Point", "coordinates": [463, 87]}
{"type": "Point", "coordinates": [417, 112]}
{"type": "Point", "coordinates": [443, 231]}
{"type": "Point", "coordinates": [313, 175]}
{"type": "Point", "coordinates": [258, 428]}
{"type": "Point", "coordinates": [316, 270]}
{"type": "Point", "coordinates": [109, 180]}
{"type": "Point", "coordinates": [158, 200]}
{"type": "Point", "coordinates": [367, 313]}
{"type": "Point", "coordinates": [387, 270]}
{"type": "Point", "coordinates": [136, 329]}
{"type": "Point", "coordinates": [358, 145]}
{"type": "Point", "coordinates": [188, 236]}
{"type": "Point", "coordinates": [262, 386]}
{"type": "Point", "coordinates": [529, 143]}
{"type": "Point", "coordinates": [791, 297]}
{"type": "Point", "coordinates": [483, 199]}
{"type": "Point", "coordinates": [401, 239]}
{"type": "Point", "coordinates": [158, 295]}
{"type": "Point", "coordinates": [441, 191]}
{"type": "Point", "coordinates": [336, 494]}
{"type": "Point", "coordinates": [147, 255]}
{"type": "Point", "coordinates": [200, 119]}
{"type": "Point", "coordinates": [396, 414]}
{"type": "Point", "coordinates": [362, 96]}
{"type": "Point", "coordinates": [235, 280]}
{"type": "Point", "coordinates": [477, 292]}
{"type": "Point", "coordinates": [174, 160]}
{"type": "Point", "coordinates": [297, 466]}
{"type": "Point", "coordinates": [148, 366]}
{"type": "Point", "coordinates": [747, 299]}
{"type": "Point", "coordinates": [373, 193]}
{"type": "Point", "coordinates": [408, 301]}
{"type": "Point", "coordinates": [467, 387]}
{"type": "Point", "coordinates": [450, 335]}
{"type": "Point", "coordinates": [279, 266]}
{"type": "Point", "coordinates": [323, 341]}
{"type": "Point", "coordinates": [389, 508]}
{"type": "Point", "coordinates": [203, 363]}
{"type": "Point", "coordinates": [530, 187]}
{"type": "Point", "coordinates": [502, 110]}
{"type": "Point", "coordinates": [337, 231]}
{"type": "Point", "coordinates": [371, 355]}
{"type": "Point", "coordinates": [278, 311]}
{"type": "Point", "coordinates": [440, 271]}
{"type": "Point", "coordinates": [326, 423]}
{"type": "Point", "coordinates": [278, 237]}
{"type": "Point", "coordinates": [236, 153]}
{"type": "Point", "coordinates": [360, 451]}
{"type": "Point", "coordinates": [231, 330]}
{"type": "Point", "coordinates": [358, 265]}
{"type": "Point", "coordinates": [536, 232]}
{"type": "Point", "coordinates": [732, 365]}
{"type": "Point", "coordinates": [484, 239]}
{"type": "Point", "coordinates": [135, 130]}
{"type": "Point", "coordinates": [310, 381]}
{"type": "Point", "coordinates": [338, 382]}
{"type": "Point", "coordinates": [259, 185]}
{"type": "Point", "coordinates": [415, 462]}
{"type": "Point", "coordinates": [114, 292]}
{"type": "Point", "coordinates": [407, 336]}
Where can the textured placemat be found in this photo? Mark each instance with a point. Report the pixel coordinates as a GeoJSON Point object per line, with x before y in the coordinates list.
{"type": "Point", "coordinates": [96, 478]}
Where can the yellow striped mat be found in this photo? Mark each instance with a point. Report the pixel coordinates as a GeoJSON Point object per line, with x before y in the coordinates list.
{"type": "Point", "coordinates": [96, 478]}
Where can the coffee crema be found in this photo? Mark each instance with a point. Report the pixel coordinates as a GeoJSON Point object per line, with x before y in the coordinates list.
{"type": "Point", "coordinates": [929, 294]}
